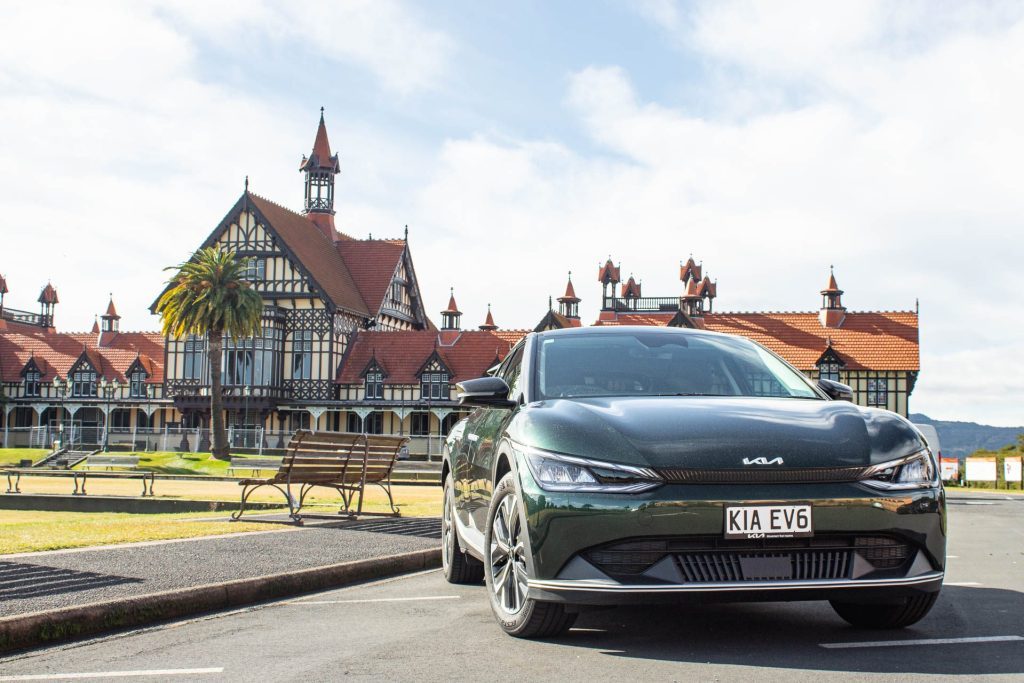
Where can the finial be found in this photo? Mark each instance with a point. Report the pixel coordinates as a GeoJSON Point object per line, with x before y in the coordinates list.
{"type": "Point", "coordinates": [830, 267]}
{"type": "Point", "coordinates": [371, 235]}
{"type": "Point", "coordinates": [321, 112]}
{"type": "Point", "coordinates": [551, 305]}
{"type": "Point", "coordinates": [407, 233]}
{"type": "Point", "coordinates": [246, 183]}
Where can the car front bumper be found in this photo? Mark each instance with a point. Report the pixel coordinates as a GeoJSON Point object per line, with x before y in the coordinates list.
{"type": "Point", "coordinates": [564, 529]}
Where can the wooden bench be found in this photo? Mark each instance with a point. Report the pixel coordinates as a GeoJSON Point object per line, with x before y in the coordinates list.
{"type": "Point", "coordinates": [254, 465]}
{"type": "Point", "coordinates": [79, 477]}
{"type": "Point", "coordinates": [111, 461]}
{"type": "Point", "coordinates": [341, 461]}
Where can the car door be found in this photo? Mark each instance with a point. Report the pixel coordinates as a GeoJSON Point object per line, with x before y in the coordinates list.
{"type": "Point", "coordinates": [483, 433]}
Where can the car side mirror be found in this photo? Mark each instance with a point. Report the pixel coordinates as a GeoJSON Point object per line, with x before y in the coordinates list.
{"type": "Point", "coordinates": [485, 392]}
{"type": "Point", "coordinates": [836, 390]}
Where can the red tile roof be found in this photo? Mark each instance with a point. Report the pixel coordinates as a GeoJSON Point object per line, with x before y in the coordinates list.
{"type": "Point", "coordinates": [372, 264]}
{"type": "Point", "coordinates": [468, 354]}
{"type": "Point", "coordinates": [314, 252]}
{"type": "Point", "coordinates": [886, 340]}
{"type": "Point", "coordinates": [56, 352]}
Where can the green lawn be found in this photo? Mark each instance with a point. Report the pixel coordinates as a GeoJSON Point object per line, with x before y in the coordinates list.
{"type": "Point", "coordinates": [12, 456]}
{"type": "Point", "coordinates": [28, 531]}
{"type": "Point", "coordinates": [173, 462]}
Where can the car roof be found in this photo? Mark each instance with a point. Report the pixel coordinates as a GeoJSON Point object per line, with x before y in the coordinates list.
{"type": "Point", "coordinates": [628, 330]}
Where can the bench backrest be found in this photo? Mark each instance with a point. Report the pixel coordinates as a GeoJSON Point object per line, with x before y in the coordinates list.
{"type": "Point", "coordinates": [113, 460]}
{"type": "Point", "coordinates": [255, 463]}
{"type": "Point", "coordinates": [339, 457]}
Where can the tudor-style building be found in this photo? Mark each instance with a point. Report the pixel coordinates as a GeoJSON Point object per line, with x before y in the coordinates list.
{"type": "Point", "coordinates": [875, 352]}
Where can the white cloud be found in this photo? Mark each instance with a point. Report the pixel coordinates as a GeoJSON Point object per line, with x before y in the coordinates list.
{"type": "Point", "coordinates": [898, 165]}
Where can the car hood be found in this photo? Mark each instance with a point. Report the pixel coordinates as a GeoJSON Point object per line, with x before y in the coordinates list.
{"type": "Point", "coordinates": [716, 432]}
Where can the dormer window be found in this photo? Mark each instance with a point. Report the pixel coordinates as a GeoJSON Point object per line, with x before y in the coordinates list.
{"type": "Point", "coordinates": [828, 370]}
{"type": "Point", "coordinates": [434, 383]}
{"type": "Point", "coordinates": [374, 384]}
{"type": "Point", "coordinates": [83, 381]}
{"type": "Point", "coordinates": [32, 378]}
{"type": "Point", "coordinates": [137, 383]}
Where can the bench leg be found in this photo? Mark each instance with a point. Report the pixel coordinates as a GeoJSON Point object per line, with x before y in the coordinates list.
{"type": "Point", "coordinates": [17, 480]}
{"type": "Point", "coordinates": [77, 493]}
{"type": "Point", "coordinates": [386, 485]}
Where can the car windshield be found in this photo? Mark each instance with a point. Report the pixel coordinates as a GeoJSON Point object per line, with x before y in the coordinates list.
{"type": "Point", "coordinates": [663, 364]}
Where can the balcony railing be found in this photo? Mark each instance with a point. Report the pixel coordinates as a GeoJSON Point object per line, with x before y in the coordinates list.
{"type": "Point", "coordinates": [643, 304]}
{"type": "Point", "coordinates": [24, 317]}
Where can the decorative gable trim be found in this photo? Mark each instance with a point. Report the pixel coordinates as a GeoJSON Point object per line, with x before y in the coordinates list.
{"type": "Point", "coordinates": [374, 364]}
{"type": "Point", "coordinates": [31, 366]}
{"type": "Point", "coordinates": [829, 355]}
{"type": "Point", "coordinates": [434, 359]}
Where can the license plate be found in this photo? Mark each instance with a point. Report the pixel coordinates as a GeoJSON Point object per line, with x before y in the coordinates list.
{"type": "Point", "coordinates": [768, 521]}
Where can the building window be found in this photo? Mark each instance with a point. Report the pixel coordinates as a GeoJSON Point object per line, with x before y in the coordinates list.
{"type": "Point", "coordinates": [374, 388]}
{"type": "Point", "coordinates": [137, 384]}
{"type": "Point", "coordinates": [434, 386]}
{"type": "Point", "coordinates": [878, 392]}
{"type": "Point", "coordinates": [374, 423]}
{"type": "Point", "coordinates": [83, 382]}
{"type": "Point", "coordinates": [302, 354]}
{"type": "Point", "coordinates": [255, 270]}
{"type": "Point", "coordinates": [195, 350]}
{"type": "Point", "coordinates": [120, 419]}
{"type": "Point", "coordinates": [828, 370]}
{"type": "Point", "coordinates": [420, 424]}
{"type": "Point", "coordinates": [32, 383]}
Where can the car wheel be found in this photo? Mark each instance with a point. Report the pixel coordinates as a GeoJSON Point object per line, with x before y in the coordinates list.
{"type": "Point", "coordinates": [505, 572]}
{"type": "Point", "coordinates": [886, 616]}
{"type": "Point", "coordinates": [458, 566]}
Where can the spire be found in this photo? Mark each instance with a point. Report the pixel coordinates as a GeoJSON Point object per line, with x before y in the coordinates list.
{"type": "Point", "coordinates": [48, 295]}
{"type": "Point", "coordinates": [832, 313]}
{"type": "Point", "coordinates": [111, 321]}
{"type": "Point", "coordinates": [489, 322]}
{"type": "Point", "coordinates": [320, 168]}
{"type": "Point", "coordinates": [569, 303]}
{"type": "Point", "coordinates": [689, 270]}
{"type": "Point", "coordinates": [47, 300]}
{"type": "Point", "coordinates": [95, 326]}
{"type": "Point", "coordinates": [451, 317]}
{"type": "Point", "coordinates": [631, 289]}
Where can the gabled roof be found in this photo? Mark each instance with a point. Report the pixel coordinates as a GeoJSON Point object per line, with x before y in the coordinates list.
{"type": "Point", "coordinates": [631, 289]}
{"type": "Point", "coordinates": [689, 270]}
{"type": "Point", "coordinates": [555, 320]}
{"type": "Point", "coordinates": [406, 353]}
{"type": "Point", "coordinates": [885, 340]}
{"type": "Point", "coordinates": [312, 251]}
{"type": "Point", "coordinates": [56, 352]}
{"type": "Point", "coordinates": [372, 265]}
{"type": "Point", "coordinates": [609, 272]}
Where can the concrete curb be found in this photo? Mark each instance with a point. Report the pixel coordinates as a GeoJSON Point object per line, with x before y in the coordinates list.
{"type": "Point", "coordinates": [52, 626]}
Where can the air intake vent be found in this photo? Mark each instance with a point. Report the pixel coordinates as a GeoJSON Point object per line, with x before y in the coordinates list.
{"type": "Point", "coordinates": [763, 475]}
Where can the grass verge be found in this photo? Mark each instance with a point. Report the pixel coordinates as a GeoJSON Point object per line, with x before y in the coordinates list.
{"type": "Point", "coordinates": [13, 456]}
{"type": "Point", "coordinates": [29, 531]}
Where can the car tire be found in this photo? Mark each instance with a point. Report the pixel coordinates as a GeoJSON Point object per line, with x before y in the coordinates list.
{"type": "Point", "coordinates": [886, 616]}
{"type": "Point", "coordinates": [517, 615]}
{"type": "Point", "coordinates": [458, 566]}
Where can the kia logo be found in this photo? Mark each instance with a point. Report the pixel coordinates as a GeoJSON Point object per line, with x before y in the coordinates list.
{"type": "Point", "coordinates": [762, 461]}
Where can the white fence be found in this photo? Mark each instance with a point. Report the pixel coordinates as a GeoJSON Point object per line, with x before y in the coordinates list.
{"type": "Point", "coordinates": [257, 440]}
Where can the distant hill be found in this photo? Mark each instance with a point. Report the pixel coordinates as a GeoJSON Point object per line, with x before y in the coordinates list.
{"type": "Point", "coordinates": [963, 438]}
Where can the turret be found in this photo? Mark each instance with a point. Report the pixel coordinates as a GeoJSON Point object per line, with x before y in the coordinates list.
{"type": "Point", "coordinates": [832, 313]}
{"type": "Point", "coordinates": [451, 317]}
{"type": "Point", "coordinates": [569, 303]}
{"type": "Point", "coordinates": [320, 168]}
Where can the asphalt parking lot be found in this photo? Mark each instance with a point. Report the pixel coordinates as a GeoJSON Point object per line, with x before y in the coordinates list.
{"type": "Point", "coordinates": [420, 628]}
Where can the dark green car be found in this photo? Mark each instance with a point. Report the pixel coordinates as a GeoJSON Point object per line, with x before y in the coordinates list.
{"type": "Point", "coordinates": [623, 465]}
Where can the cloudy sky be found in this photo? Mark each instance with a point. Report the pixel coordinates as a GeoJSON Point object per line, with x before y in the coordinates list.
{"type": "Point", "coordinates": [521, 140]}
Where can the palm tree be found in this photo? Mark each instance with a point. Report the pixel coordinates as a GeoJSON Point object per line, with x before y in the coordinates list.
{"type": "Point", "coordinates": [208, 295]}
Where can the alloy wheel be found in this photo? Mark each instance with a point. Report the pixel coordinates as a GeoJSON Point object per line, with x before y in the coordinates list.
{"type": "Point", "coordinates": [447, 532]}
{"type": "Point", "coordinates": [508, 556]}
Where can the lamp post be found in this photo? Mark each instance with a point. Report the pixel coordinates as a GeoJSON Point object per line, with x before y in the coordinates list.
{"type": "Point", "coordinates": [149, 413]}
{"type": "Point", "coordinates": [246, 390]}
{"type": "Point", "coordinates": [59, 386]}
{"type": "Point", "coordinates": [109, 391]}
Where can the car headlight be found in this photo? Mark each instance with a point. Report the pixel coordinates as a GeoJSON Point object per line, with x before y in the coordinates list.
{"type": "Point", "coordinates": [916, 471]}
{"type": "Point", "coordinates": [557, 472]}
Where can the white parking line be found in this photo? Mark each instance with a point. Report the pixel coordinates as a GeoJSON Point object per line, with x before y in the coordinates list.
{"type": "Point", "coordinates": [349, 602]}
{"type": "Point", "coordinates": [961, 583]}
{"type": "Point", "coordinates": [114, 674]}
{"type": "Point", "coordinates": [920, 641]}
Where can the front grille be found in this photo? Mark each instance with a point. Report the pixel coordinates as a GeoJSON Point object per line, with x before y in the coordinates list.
{"type": "Point", "coordinates": [793, 475]}
{"type": "Point", "coordinates": [735, 566]}
{"type": "Point", "coordinates": [710, 559]}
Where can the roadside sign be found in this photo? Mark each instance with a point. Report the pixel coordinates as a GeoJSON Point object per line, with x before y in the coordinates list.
{"type": "Point", "coordinates": [950, 468]}
{"type": "Point", "coordinates": [981, 469]}
{"type": "Point", "coordinates": [1012, 470]}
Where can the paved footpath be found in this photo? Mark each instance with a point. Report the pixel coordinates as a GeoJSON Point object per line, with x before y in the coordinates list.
{"type": "Point", "coordinates": [32, 582]}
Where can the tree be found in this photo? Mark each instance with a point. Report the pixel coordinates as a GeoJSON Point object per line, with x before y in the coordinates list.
{"type": "Point", "coordinates": [209, 296]}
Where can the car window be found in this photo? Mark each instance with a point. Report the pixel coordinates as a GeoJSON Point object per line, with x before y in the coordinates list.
{"type": "Point", "coordinates": [663, 364]}
{"type": "Point", "coordinates": [511, 371]}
